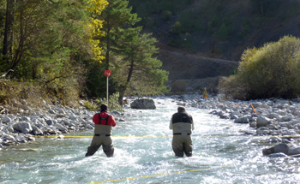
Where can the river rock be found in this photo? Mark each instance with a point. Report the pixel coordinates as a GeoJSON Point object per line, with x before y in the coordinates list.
{"type": "Point", "coordinates": [244, 120]}
{"type": "Point", "coordinates": [288, 117]}
{"type": "Point", "coordinates": [6, 120]}
{"type": "Point", "coordinates": [279, 148]}
{"type": "Point", "coordinates": [144, 103]}
{"type": "Point", "coordinates": [23, 127]}
{"type": "Point", "coordinates": [262, 121]}
{"type": "Point", "coordinates": [294, 151]}
{"type": "Point", "coordinates": [61, 128]}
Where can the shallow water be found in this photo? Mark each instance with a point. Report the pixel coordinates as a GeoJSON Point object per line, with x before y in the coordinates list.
{"type": "Point", "coordinates": [143, 154]}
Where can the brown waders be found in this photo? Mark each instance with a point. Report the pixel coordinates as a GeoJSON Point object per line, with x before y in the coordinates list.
{"type": "Point", "coordinates": [101, 140]}
{"type": "Point", "coordinates": [182, 144]}
{"type": "Point", "coordinates": [102, 137]}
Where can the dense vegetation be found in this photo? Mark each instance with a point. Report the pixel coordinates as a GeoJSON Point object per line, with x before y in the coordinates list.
{"type": "Point", "coordinates": [270, 71]}
{"type": "Point", "coordinates": [62, 47]}
{"type": "Point", "coordinates": [219, 28]}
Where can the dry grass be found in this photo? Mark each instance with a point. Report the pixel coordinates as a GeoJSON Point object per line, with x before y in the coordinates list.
{"type": "Point", "coordinates": [15, 95]}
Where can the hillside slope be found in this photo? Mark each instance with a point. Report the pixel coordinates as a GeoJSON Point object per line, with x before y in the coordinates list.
{"type": "Point", "coordinates": [201, 40]}
{"type": "Point", "coordinates": [191, 72]}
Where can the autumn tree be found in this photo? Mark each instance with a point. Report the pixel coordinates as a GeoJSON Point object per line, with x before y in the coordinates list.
{"type": "Point", "coordinates": [116, 15]}
{"type": "Point", "coordinates": [51, 40]}
{"type": "Point", "coordinates": [129, 53]}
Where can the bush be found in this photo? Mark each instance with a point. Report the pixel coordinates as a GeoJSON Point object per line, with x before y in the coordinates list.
{"type": "Point", "coordinates": [166, 15]}
{"type": "Point", "coordinates": [270, 71]}
{"type": "Point", "coordinates": [113, 104]}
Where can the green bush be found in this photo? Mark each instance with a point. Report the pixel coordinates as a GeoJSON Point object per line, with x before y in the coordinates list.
{"type": "Point", "coordinates": [270, 71]}
{"type": "Point", "coordinates": [113, 104]}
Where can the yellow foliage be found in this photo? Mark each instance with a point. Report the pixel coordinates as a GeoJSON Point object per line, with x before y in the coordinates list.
{"type": "Point", "coordinates": [95, 7]}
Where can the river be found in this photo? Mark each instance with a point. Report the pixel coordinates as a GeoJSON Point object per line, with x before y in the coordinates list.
{"type": "Point", "coordinates": [143, 154]}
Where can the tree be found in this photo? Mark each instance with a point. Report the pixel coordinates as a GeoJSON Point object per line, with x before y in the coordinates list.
{"type": "Point", "coordinates": [8, 33]}
{"type": "Point", "coordinates": [116, 15]}
{"type": "Point", "coordinates": [138, 70]}
{"type": "Point", "coordinates": [128, 54]}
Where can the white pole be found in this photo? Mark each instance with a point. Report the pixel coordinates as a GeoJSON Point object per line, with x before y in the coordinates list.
{"type": "Point", "coordinates": [107, 91]}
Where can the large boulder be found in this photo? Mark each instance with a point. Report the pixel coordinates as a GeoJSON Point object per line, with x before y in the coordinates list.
{"type": "Point", "coordinates": [279, 148]}
{"type": "Point", "coordinates": [23, 127]}
{"type": "Point", "coordinates": [262, 121]}
{"type": "Point", "coordinates": [144, 103]}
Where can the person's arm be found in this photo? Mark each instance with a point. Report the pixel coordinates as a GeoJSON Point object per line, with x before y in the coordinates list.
{"type": "Point", "coordinates": [193, 126]}
{"type": "Point", "coordinates": [113, 121]}
{"type": "Point", "coordinates": [171, 124]}
{"type": "Point", "coordinates": [95, 118]}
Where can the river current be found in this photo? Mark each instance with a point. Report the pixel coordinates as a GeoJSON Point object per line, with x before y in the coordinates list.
{"type": "Point", "coordinates": [143, 154]}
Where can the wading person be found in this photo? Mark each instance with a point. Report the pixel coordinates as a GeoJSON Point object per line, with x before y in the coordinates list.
{"type": "Point", "coordinates": [182, 125]}
{"type": "Point", "coordinates": [102, 133]}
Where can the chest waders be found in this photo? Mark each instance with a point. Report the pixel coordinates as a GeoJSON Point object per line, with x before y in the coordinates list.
{"type": "Point", "coordinates": [102, 138]}
{"type": "Point", "coordinates": [182, 130]}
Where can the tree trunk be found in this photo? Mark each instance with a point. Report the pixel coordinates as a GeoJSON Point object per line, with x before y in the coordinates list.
{"type": "Point", "coordinates": [8, 32]}
{"type": "Point", "coordinates": [130, 69]}
{"type": "Point", "coordinates": [20, 50]}
{"type": "Point", "coordinates": [123, 88]}
{"type": "Point", "coordinates": [121, 95]}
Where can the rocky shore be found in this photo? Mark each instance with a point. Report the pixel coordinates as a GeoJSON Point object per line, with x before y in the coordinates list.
{"type": "Point", "coordinates": [276, 119]}
{"type": "Point", "coordinates": [27, 124]}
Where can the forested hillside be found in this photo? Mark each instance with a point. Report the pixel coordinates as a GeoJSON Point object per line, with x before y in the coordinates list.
{"type": "Point", "coordinates": [219, 28]}
{"type": "Point", "coordinates": [58, 50]}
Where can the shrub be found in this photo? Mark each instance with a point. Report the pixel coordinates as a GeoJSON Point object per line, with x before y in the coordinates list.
{"type": "Point", "coordinates": [270, 71]}
{"type": "Point", "coordinates": [113, 103]}
{"type": "Point", "coordinates": [166, 15]}
{"type": "Point", "coordinates": [176, 28]}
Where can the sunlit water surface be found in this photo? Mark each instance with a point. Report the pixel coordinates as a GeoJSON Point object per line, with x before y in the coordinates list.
{"type": "Point", "coordinates": [143, 154]}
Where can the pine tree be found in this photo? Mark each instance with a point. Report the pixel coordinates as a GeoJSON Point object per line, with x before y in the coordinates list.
{"type": "Point", "coordinates": [116, 15]}
{"type": "Point", "coordinates": [139, 71]}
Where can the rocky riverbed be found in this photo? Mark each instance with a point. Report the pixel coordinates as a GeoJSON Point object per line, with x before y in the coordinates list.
{"type": "Point", "coordinates": [57, 120]}
{"type": "Point", "coordinates": [277, 119]}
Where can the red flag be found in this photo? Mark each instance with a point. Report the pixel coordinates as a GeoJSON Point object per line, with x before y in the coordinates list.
{"type": "Point", "coordinates": [107, 73]}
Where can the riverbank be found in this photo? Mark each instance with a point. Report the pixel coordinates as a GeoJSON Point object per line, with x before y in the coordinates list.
{"type": "Point", "coordinates": [31, 122]}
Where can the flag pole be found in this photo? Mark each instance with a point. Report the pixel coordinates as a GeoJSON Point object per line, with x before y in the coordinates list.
{"type": "Point", "coordinates": [107, 90]}
{"type": "Point", "coordinates": [107, 74]}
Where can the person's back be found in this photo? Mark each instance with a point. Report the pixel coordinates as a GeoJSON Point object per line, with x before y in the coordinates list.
{"type": "Point", "coordinates": [102, 133]}
{"type": "Point", "coordinates": [182, 125]}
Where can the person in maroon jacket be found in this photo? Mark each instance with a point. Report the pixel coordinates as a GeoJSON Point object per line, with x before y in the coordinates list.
{"type": "Point", "coordinates": [102, 133]}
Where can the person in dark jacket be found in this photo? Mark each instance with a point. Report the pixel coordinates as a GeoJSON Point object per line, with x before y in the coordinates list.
{"type": "Point", "coordinates": [182, 125]}
{"type": "Point", "coordinates": [102, 133]}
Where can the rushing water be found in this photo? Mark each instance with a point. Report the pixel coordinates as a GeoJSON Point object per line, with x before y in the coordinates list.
{"type": "Point", "coordinates": [143, 154]}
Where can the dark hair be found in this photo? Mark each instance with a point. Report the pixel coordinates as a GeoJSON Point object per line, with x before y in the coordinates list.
{"type": "Point", "coordinates": [103, 107]}
{"type": "Point", "coordinates": [180, 109]}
